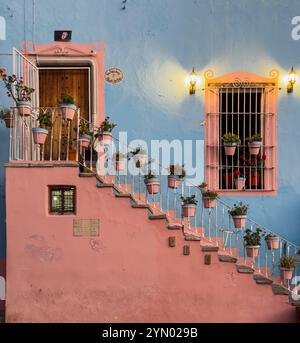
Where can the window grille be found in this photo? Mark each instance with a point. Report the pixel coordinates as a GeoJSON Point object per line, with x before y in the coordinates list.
{"type": "Point", "coordinates": [62, 200]}
{"type": "Point", "coordinates": [243, 108]}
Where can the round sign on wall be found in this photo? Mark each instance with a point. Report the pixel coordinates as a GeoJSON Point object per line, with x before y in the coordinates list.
{"type": "Point", "coordinates": [114, 75]}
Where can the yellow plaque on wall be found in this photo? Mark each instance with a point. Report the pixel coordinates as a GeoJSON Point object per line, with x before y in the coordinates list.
{"type": "Point", "coordinates": [85, 227]}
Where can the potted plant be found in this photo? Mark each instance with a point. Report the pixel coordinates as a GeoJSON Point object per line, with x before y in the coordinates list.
{"type": "Point", "coordinates": [40, 133]}
{"type": "Point", "coordinates": [176, 174]}
{"type": "Point", "coordinates": [20, 93]}
{"type": "Point", "coordinates": [203, 187]}
{"type": "Point", "coordinates": [139, 156]}
{"type": "Point", "coordinates": [231, 141]}
{"type": "Point", "coordinates": [287, 266]}
{"type": "Point", "coordinates": [252, 242]}
{"type": "Point", "coordinates": [151, 182]}
{"type": "Point", "coordinates": [209, 198]}
{"type": "Point", "coordinates": [239, 214]}
{"type": "Point", "coordinates": [85, 135]}
{"type": "Point", "coordinates": [189, 205]}
{"type": "Point", "coordinates": [254, 144]}
{"type": "Point", "coordinates": [272, 241]}
{"type": "Point", "coordinates": [119, 161]}
{"type": "Point", "coordinates": [105, 130]}
{"type": "Point", "coordinates": [239, 180]}
{"type": "Point", "coordinates": [67, 107]}
{"type": "Point", "coordinates": [7, 117]}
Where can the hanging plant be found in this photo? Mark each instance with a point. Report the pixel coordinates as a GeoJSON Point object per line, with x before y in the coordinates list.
{"type": "Point", "coordinates": [254, 144]}
{"type": "Point", "coordinates": [40, 133]}
{"type": "Point", "coordinates": [189, 205]}
{"type": "Point", "coordinates": [105, 130]}
{"type": "Point", "coordinates": [239, 214]}
{"type": "Point", "coordinates": [252, 242]}
{"type": "Point", "coordinates": [231, 141]}
{"type": "Point", "coordinates": [152, 183]}
{"type": "Point", "coordinates": [176, 174]}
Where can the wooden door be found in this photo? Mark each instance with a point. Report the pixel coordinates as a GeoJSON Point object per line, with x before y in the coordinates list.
{"type": "Point", "coordinates": [53, 84]}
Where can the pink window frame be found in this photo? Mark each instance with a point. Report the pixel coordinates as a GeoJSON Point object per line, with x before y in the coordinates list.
{"type": "Point", "coordinates": [269, 134]}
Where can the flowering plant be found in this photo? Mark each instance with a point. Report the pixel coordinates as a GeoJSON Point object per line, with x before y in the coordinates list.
{"type": "Point", "coordinates": [239, 209]}
{"type": "Point", "coordinates": [252, 238]}
{"type": "Point", "coordinates": [106, 125]}
{"type": "Point", "coordinates": [191, 200]}
{"type": "Point", "coordinates": [238, 174]}
{"type": "Point", "coordinates": [16, 88]}
{"type": "Point", "coordinates": [254, 161]}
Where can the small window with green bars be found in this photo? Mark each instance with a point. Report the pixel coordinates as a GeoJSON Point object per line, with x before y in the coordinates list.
{"type": "Point", "coordinates": [62, 199]}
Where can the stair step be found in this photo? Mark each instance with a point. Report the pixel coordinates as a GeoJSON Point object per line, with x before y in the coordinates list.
{"type": "Point", "coordinates": [91, 174]}
{"type": "Point", "coordinates": [174, 226]}
{"type": "Point", "coordinates": [244, 269]}
{"type": "Point", "coordinates": [280, 289]}
{"type": "Point", "coordinates": [189, 237]}
{"type": "Point", "coordinates": [134, 205]}
{"type": "Point", "coordinates": [262, 279]}
{"type": "Point", "coordinates": [123, 195]}
{"type": "Point", "coordinates": [157, 216]}
{"type": "Point", "coordinates": [227, 258]}
{"type": "Point", "coordinates": [105, 185]}
{"type": "Point", "coordinates": [209, 248]}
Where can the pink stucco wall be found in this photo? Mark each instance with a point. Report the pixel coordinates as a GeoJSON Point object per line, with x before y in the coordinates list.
{"type": "Point", "coordinates": [127, 274]}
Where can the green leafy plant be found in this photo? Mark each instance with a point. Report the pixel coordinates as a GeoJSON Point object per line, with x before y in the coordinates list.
{"type": "Point", "coordinates": [252, 237]}
{"type": "Point", "coordinates": [231, 138]}
{"type": "Point", "coordinates": [44, 119]}
{"type": "Point", "coordinates": [190, 200]}
{"type": "Point", "coordinates": [106, 125]}
{"type": "Point", "coordinates": [255, 138]}
{"type": "Point", "coordinates": [209, 194]}
{"type": "Point", "coordinates": [15, 88]}
{"type": "Point", "coordinates": [202, 187]}
{"type": "Point", "coordinates": [177, 170]}
{"type": "Point", "coordinates": [84, 129]}
{"type": "Point", "coordinates": [67, 100]}
{"type": "Point", "coordinates": [288, 262]}
{"type": "Point", "coordinates": [239, 209]}
{"type": "Point", "coordinates": [150, 175]}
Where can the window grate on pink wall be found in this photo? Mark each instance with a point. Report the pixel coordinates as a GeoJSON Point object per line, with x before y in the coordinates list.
{"type": "Point", "coordinates": [243, 104]}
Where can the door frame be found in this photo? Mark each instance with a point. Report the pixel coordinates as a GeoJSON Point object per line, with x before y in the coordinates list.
{"type": "Point", "coordinates": [89, 82]}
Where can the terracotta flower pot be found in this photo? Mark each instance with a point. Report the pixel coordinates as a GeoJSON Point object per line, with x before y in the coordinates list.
{"type": "Point", "coordinates": [106, 138]}
{"type": "Point", "coordinates": [209, 202]}
{"type": "Point", "coordinates": [140, 159]}
{"type": "Point", "coordinates": [253, 179]}
{"type": "Point", "coordinates": [85, 141]}
{"type": "Point", "coordinates": [173, 181]}
{"type": "Point", "coordinates": [188, 210]}
{"type": "Point", "coordinates": [24, 108]}
{"type": "Point", "coordinates": [230, 148]}
{"type": "Point", "coordinates": [239, 183]}
{"type": "Point", "coordinates": [239, 221]}
{"type": "Point", "coordinates": [120, 165]}
{"type": "Point", "coordinates": [254, 148]}
{"type": "Point", "coordinates": [9, 120]}
{"type": "Point", "coordinates": [152, 185]}
{"type": "Point", "coordinates": [68, 111]}
{"type": "Point", "coordinates": [286, 273]}
{"type": "Point", "coordinates": [39, 135]}
{"type": "Point", "coordinates": [273, 243]}
{"type": "Point", "coordinates": [252, 250]}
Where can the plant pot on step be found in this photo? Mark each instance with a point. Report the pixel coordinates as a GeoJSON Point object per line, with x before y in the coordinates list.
{"type": "Point", "coordinates": [140, 160]}
{"type": "Point", "coordinates": [239, 182]}
{"type": "Point", "coordinates": [188, 210]}
{"type": "Point", "coordinates": [254, 147]}
{"type": "Point", "coordinates": [68, 111]}
{"type": "Point", "coordinates": [39, 135]}
{"type": "Point", "coordinates": [173, 181]}
{"type": "Point", "coordinates": [286, 273]}
{"type": "Point", "coordinates": [272, 243]}
{"type": "Point", "coordinates": [239, 221]}
{"type": "Point", "coordinates": [209, 202]}
{"type": "Point", "coordinates": [152, 185]}
{"type": "Point", "coordinates": [85, 141]}
{"type": "Point", "coordinates": [230, 148]}
{"type": "Point", "coordinates": [252, 250]}
{"type": "Point", "coordinates": [24, 108]}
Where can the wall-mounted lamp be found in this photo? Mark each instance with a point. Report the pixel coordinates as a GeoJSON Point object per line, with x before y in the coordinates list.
{"type": "Point", "coordinates": [192, 80]}
{"type": "Point", "coordinates": [291, 80]}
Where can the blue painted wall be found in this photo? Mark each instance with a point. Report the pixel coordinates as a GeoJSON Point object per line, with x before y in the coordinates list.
{"type": "Point", "coordinates": [156, 43]}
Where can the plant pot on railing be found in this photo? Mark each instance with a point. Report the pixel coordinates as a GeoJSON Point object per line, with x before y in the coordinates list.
{"type": "Point", "coordinates": [254, 144]}
{"type": "Point", "coordinates": [252, 242]}
{"type": "Point", "coordinates": [287, 267]}
{"type": "Point", "coordinates": [68, 107]}
{"type": "Point", "coordinates": [39, 135]}
{"type": "Point", "coordinates": [152, 183]}
{"type": "Point", "coordinates": [105, 130]}
{"type": "Point", "coordinates": [189, 205]}
{"type": "Point", "coordinates": [230, 148]}
{"type": "Point", "coordinates": [252, 250]}
{"type": "Point", "coordinates": [272, 242]}
{"type": "Point", "coordinates": [85, 140]}
{"type": "Point", "coordinates": [209, 199]}
{"type": "Point", "coordinates": [239, 214]}
{"type": "Point", "coordinates": [24, 108]}
{"type": "Point", "coordinates": [176, 174]}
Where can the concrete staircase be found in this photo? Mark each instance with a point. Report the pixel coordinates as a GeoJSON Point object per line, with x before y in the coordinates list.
{"type": "Point", "coordinates": [211, 248]}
